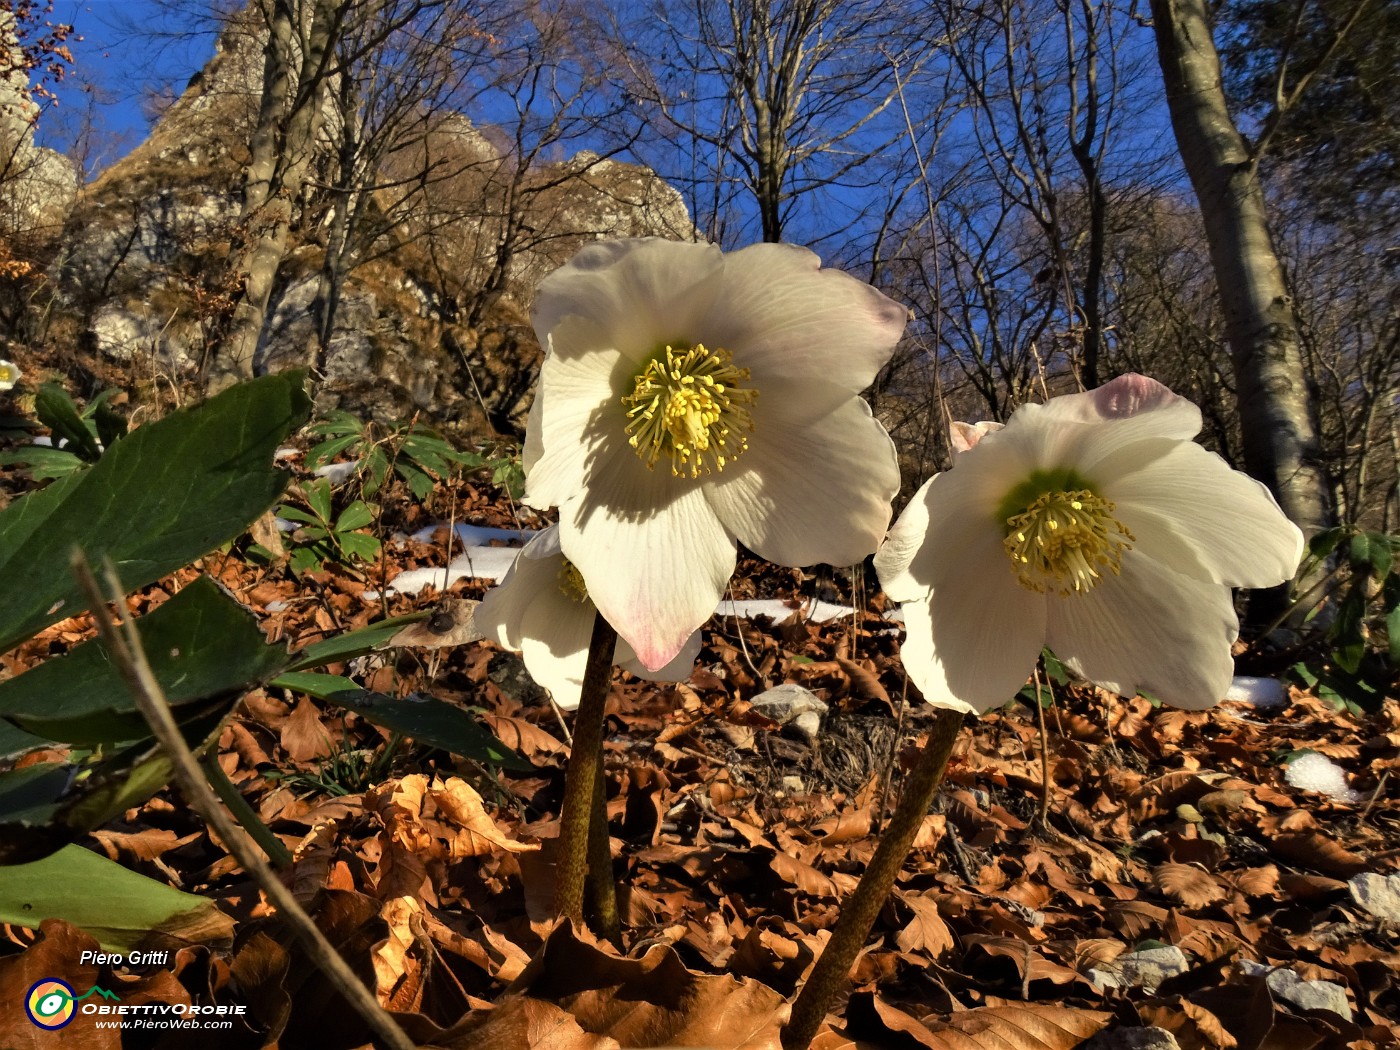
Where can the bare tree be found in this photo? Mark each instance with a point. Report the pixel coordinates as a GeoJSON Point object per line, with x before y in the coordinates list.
{"type": "Point", "coordinates": [1280, 437]}
{"type": "Point", "coordinates": [781, 98]}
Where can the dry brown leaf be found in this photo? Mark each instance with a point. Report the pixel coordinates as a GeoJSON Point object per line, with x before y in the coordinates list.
{"type": "Point", "coordinates": [303, 735]}
{"type": "Point", "coordinates": [1313, 849]}
{"type": "Point", "coordinates": [521, 1023]}
{"type": "Point", "coordinates": [459, 802]}
{"type": "Point", "coordinates": [926, 932]}
{"type": "Point", "coordinates": [1188, 884]}
{"type": "Point", "coordinates": [1033, 1026]}
{"type": "Point", "coordinates": [451, 623]}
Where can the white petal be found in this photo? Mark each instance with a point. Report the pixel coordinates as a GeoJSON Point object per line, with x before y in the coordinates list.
{"type": "Point", "coordinates": [780, 314]}
{"type": "Point", "coordinates": [641, 293]}
{"type": "Point", "coordinates": [574, 416]}
{"type": "Point", "coordinates": [1149, 629]}
{"type": "Point", "coordinates": [951, 511]}
{"type": "Point", "coordinates": [678, 670]}
{"type": "Point", "coordinates": [653, 554]}
{"type": "Point", "coordinates": [809, 491]}
{"type": "Point", "coordinates": [556, 630]}
{"type": "Point", "coordinates": [1190, 511]}
{"type": "Point", "coordinates": [974, 640]}
{"type": "Point", "coordinates": [503, 608]}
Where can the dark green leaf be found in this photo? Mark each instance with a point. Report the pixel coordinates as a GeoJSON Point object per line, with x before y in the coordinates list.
{"type": "Point", "coordinates": [355, 643]}
{"type": "Point", "coordinates": [56, 411]}
{"type": "Point", "coordinates": [328, 450]}
{"type": "Point", "coordinates": [356, 516]}
{"type": "Point", "coordinates": [202, 646]}
{"type": "Point", "coordinates": [172, 491]}
{"type": "Point", "coordinates": [43, 462]}
{"type": "Point", "coordinates": [434, 722]}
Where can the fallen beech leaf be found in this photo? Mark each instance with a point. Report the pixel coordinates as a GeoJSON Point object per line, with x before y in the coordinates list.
{"type": "Point", "coordinates": [521, 1023]}
{"type": "Point", "coordinates": [1313, 849]}
{"type": "Point", "coordinates": [653, 1001]}
{"type": "Point", "coordinates": [303, 735]}
{"type": "Point", "coordinates": [525, 737]}
{"type": "Point", "coordinates": [459, 801]}
{"type": "Point", "coordinates": [1188, 884]}
{"type": "Point", "coordinates": [1032, 1026]}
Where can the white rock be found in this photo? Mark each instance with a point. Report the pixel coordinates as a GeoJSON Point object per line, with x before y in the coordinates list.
{"type": "Point", "coordinates": [1378, 894]}
{"type": "Point", "coordinates": [794, 705]}
{"type": "Point", "coordinates": [1145, 969]}
{"type": "Point", "coordinates": [1301, 994]}
{"type": "Point", "coordinates": [1133, 1039]}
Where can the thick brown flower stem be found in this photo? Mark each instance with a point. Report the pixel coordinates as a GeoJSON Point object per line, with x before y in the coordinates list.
{"type": "Point", "coordinates": [833, 969]}
{"type": "Point", "coordinates": [582, 778]}
{"type": "Point", "coordinates": [602, 890]}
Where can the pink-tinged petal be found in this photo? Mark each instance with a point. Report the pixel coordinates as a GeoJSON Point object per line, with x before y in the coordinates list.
{"type": "Point", "coordinates": [781, 315]}
{"type": "Point", "coordinates": [1079, 430]}
{"type": "Point", "coordinates": [973, 641]}
{"type": "Point", "coordinates": [808, 492]}
{"type": "Point", "coordinates": [678, 670]}
{"type": "Point", "coordinates": [638, 294]}
{"type": "Point", "coordinates": [653, 554]}
{"type": "Point", "coordinates": [1188, 510]}
{"type": "Point", "coordinates": [1149, 630]}
{"type": "Point", "coordinates": [964, 436]}
{"type": "Point", "coordinates": [575, 415]}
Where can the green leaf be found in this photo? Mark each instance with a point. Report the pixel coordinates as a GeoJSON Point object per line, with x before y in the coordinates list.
{"type": "Point", "coordinates": [123, 910]}
{"type": "Point", "coordinates": [171, 491]}
{"type": "Point", "coordinates": [432, 721]}
{"type": "Point", "coordinates": [356, 516]}
{"type": "Point", "coordinates": [1054, 668]}
{"type": "Point", "coordinates": [202, 646]}
{"type": "Point", "coordinates": [315, 683]}
{"type": "Point", "coordinates": [328, 450]}
{"type": "Point", "coordinates": [43, 462]}
{"type": "Point", "coordinates": [318, 498]}
{"type": "Point", "coordinates": [111, 425]}
{"type": "Point", "coordinates": [56, 411]}
{"type": "Point", "coordinates": [358, 545]}
{"type": "Point", "coordinates": [354, 643]}
{"type": "Point", "coordinates": [1391, 598]}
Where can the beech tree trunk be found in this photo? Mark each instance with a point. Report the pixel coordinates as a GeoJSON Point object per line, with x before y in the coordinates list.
{"type": "Point", "coordinates": [1277, 414]}
{"type": "Point", "coordinates": [289, 120]}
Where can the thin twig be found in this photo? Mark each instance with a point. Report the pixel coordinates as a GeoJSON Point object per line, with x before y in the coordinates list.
{"type": "Point", "coordinates": [1043, 816]}
{"type": "Point", "coordinates": [124, 649]}
{"type": "Point", "coordinates": [243, 813]}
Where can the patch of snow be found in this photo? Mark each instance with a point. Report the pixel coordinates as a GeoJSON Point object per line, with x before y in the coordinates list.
{"type": "Point", "coordinates": [478, 535]}
{"type": "Point", "coordinates": [1314, 772]}
{"type": "Point", "coordinates": [1267, 694]}
{"type": "Point", "coordinates": [337, 473]}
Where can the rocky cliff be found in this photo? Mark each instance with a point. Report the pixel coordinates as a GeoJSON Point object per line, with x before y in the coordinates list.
{"type": "Point", "coordinates": [143, 276]}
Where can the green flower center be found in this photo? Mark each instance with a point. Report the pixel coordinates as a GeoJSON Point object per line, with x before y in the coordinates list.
{"type": "Point", "coordinates": [1061, 534]}
{"type": "Point", "coordinates": [687, 404]}
{"type": "Point", "coordinates": [571, 582]}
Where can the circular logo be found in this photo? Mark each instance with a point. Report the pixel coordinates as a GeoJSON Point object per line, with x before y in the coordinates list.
{"type": "Point", "coordinates": [49, 1003]}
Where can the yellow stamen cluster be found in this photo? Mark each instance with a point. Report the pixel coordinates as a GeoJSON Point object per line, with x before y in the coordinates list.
{"type": "Point", "coordinates": [571, 582]}
{"type": "Point", "coordinates": [1066, 540]}
{"type": "Point", "coordinates": [686, 404]}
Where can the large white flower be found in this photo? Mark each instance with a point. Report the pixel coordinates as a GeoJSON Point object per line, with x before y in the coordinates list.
{"type": "Point", "coordinates": [9, 375]}
{"type": "Point", "coordinates": [1092, 524]}
{"type": "Point", "coordinates": [689, 399]}
{"type": "Point", "coordinates": [541, 608]}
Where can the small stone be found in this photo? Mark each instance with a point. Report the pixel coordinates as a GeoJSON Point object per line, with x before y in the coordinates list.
{"type": "Point", "coordinates": [1378, 894]}
{"type": "Point", "coordinates": [1133, 1039]}
{"type": "Point", "coordinates": [1301, 994]}
{"type": "Point", "coordinates": [1145, 969]}
{"type": "Point", "coordinates": [792, 705]}
{"type": "Point", "coordinates": [1222, 803]}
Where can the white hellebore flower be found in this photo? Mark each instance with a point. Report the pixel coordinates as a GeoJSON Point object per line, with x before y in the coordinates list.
{"type": "Point", "coordinates": [9, 375]}
{"type": "Point", "coordinates": [542, 609]}
{"type": "Point", "coordinates": [691, 399]}
{"type": "Point", "coordinates": [1092, 524]}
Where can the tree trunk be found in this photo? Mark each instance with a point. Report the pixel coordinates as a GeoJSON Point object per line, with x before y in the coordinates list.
{"type": "Point", "coordinates": [1275, 406]}
{"type": "Point", "coordinates": [289, 120]}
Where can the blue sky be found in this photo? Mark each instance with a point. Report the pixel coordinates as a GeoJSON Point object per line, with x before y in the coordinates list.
{"type": "Point", "coordinates": [123, 66]}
